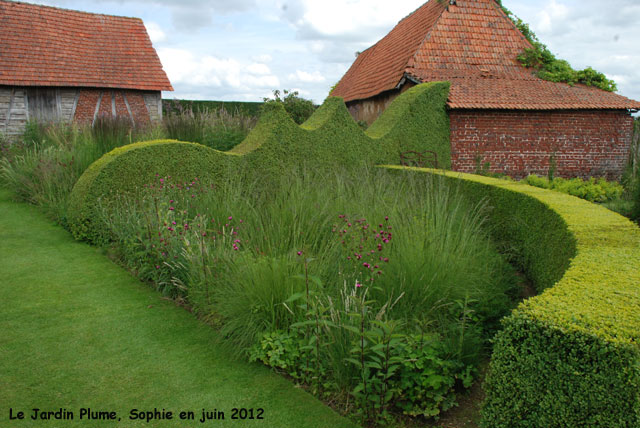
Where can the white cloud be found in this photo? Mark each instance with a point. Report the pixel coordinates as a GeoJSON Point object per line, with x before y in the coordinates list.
{"type": "Point", "coordinates": [553, 12]}
{"type": "Point", "coordinates": [156, 34]}
{"type": "Point", "coordinates": [185, 68]}
{"type": "Point", "coordinates": [305, 77]}
{"type": "Point", "coordinates": [258, 69]}
{"type": "Point", "coordinates": [263, 58]}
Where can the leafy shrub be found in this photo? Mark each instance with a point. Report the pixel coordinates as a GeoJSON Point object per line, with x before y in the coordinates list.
{"type": "Point", "coordinates": [548, 67]}
{"type": "Point", "coordinates": [593, 190]}
{"type": "Point", "coordinates": [298, 108]}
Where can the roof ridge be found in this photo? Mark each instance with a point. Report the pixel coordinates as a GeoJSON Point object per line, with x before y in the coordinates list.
{"type": "Point", "coordinates": [69, 10]}
{"type": "Point", "coordinates": [412, 58]}
{"type": "Point", "coordinates": [513, 24]}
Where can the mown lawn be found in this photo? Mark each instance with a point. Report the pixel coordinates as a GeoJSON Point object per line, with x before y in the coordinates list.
{"type": "Point", "coordinates": [76, 331]}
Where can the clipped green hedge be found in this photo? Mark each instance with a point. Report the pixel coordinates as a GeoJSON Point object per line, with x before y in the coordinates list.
{"type": "Point", "coordinates": [569, 357]}
{"type": "Point", "coordinates": [128, 168]}
{"type": "Point", "coordinates": [417, 121]}
{"type": "Point", "coordinates": [329, 139]}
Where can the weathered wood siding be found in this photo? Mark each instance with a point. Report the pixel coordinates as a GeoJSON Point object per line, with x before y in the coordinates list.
{"type": "Point", "coordinates": [68, 103]}
{"type": "Point", "coordinates": [370, 109]}
{"type": "Point", "coordinates": [153, 101]}
{"type": "Point", "coordinates": [14, 112]}
{"type": "Point", "coordinates": [19, 105]}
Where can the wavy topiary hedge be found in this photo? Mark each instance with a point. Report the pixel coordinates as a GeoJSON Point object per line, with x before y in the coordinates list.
{"type": "Point", "coordinates": [128, 168]}
{"type": "Point", "coordinates": [569, 357]}
{"type": "Point", "coordinates": [417, 121]}
{"type": "Point", "coordinates": [330, 139]}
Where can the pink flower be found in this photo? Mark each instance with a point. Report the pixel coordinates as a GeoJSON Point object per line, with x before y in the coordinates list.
{"type": "Point", "coordinates": [299, 253]}
{"type": "Point", "coordinates": [171, 209]}
{"type": "Point", "coordinates": [358, 285]}
{"type": "Point", "coordinates": [230, 218]}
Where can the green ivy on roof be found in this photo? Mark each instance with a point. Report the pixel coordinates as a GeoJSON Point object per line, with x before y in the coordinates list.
{"type": "Point", "coordinates": [551, 68]}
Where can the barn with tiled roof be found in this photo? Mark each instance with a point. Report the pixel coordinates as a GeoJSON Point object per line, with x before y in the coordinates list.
{"type": "Point", "coordinates": [501, 114]}
{"type": "Point", "coordinates": [65, 65]}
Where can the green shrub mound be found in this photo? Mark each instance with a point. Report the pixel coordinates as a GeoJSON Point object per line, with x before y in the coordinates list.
{"type": "Point", "coordinates": [329, 139]}
{"type": "Point", "coordinates": [593, 190]}
{"type": "Point", "coordinates": [415, 121]}
{"type": "Point", "coordinates": [569, 357]}
{"type": "Point", "coordinates": [131, 167]}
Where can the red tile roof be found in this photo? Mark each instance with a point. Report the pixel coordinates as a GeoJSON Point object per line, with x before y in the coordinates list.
{"type": "Point", "coordinates": [46, 46]}
{"type": "Point", "coordinates": [474, 45]}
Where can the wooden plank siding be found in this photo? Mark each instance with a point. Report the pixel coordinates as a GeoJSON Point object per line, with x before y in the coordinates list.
{"type": "Point", "coordinates": [18, 105]}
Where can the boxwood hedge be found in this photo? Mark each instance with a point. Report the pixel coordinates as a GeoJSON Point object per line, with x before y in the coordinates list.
{"type": "Point", "coordinates": [569, 357]}
{"type": "Point", "coordinates": [128, 168]}
{"type": "Point", "coordinates": [329, 139]}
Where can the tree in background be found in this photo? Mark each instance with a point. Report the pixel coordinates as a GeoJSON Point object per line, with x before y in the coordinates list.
{"type": "Point", "coordinates": [299, 109]}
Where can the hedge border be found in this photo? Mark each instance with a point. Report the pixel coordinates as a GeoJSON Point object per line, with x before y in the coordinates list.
{"type": "Point", "coordinates": [571, 355]}
{"type": "Point", "coordinates": [275, 145]}
{"type": "Point", "coordinates": [122, 169]}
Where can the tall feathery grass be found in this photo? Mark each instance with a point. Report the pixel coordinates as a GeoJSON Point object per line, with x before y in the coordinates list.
{"type": "Point", "coordinates": [44, 166]}
{"type": "Point", "coordinates": [218, 128]}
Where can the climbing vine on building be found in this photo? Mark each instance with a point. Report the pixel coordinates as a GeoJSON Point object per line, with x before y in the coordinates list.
{"type": "Point", "coordinates": [551, 68]}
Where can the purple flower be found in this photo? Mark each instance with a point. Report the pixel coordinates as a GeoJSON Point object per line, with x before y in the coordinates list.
{"type": "Point", "coordinates": [299, 253]}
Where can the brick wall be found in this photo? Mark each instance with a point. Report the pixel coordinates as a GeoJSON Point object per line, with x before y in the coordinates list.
{"type": "Point", "coordinates": [88, 101]}
{"type": "Point", "coordinates": [585, 143]}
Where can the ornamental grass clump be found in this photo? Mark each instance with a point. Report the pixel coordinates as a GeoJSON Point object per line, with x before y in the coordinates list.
{"type": "Point", "coordinates": [44, 165]}
{"type": "Point", "coordinates": [374, 290]}
{"type": "Point", "coordinates": [218, 128]}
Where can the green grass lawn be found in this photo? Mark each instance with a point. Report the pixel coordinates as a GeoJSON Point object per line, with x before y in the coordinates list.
{"type": "Point", "coordinates": [76, 331]}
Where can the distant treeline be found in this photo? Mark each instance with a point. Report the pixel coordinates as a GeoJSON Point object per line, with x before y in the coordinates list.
{"type": "Point", "coordinates": [245, 108]}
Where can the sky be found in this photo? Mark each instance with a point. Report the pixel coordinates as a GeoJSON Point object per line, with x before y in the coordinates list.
{"type": "Point", "coordinates": [242, 50]}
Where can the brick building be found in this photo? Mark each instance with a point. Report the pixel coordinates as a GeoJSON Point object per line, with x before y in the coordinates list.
{"type": "Point", "coordinates": [64, 65]}
{"type": "Point", "coordinates": [499, 111]}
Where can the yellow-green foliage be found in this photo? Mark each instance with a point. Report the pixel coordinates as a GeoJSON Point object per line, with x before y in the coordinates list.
{"type": "Point", "coordinates": [593, 190]}
{"type": "Point", "coordinates": [329, 139]}
{"type": "Point", "coordinates": [569, 357]}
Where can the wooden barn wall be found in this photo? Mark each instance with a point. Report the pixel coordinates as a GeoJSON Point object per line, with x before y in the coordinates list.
{"type": "Point", "coordinates": [13, 111]}
{"type": "Point", "coordinates": [370, 109]}
{"type": "Point", "coordinates": [18, 105]}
